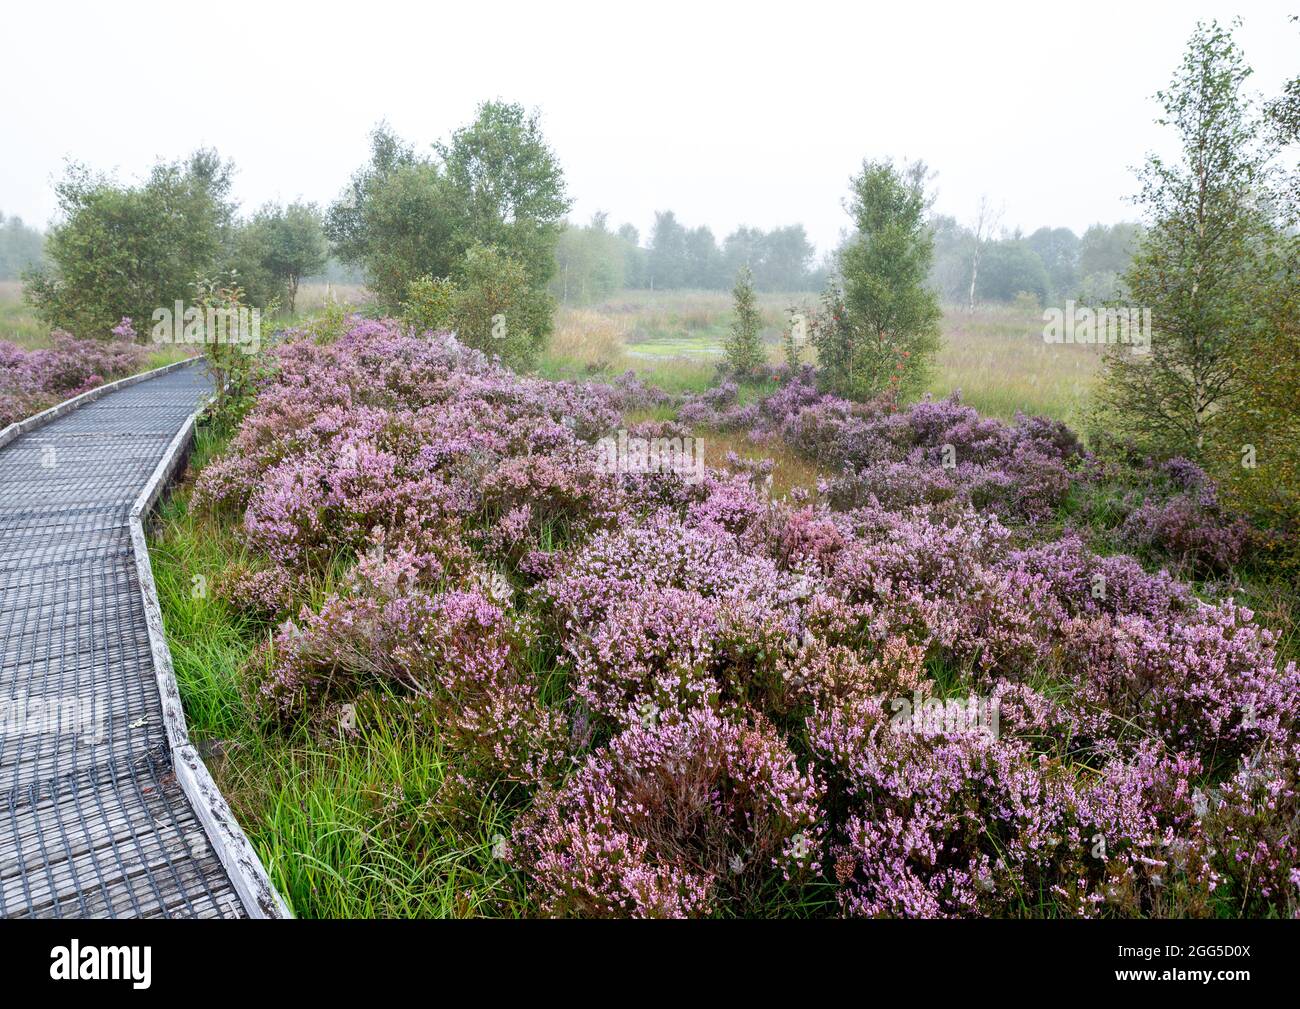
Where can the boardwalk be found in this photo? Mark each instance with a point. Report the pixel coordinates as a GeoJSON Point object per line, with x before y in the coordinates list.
{"type": "Point", "coordinates": [93, 819]}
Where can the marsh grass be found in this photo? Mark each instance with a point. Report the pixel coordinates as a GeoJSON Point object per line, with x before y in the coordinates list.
{"type": "Point", "coordinates": [592, 340]}
{"type": "Point", "coordinates": [672, 374]}
{"type": "Point", "coordinates": [672, 339]}
{"type": "Point", "coordinates": [997, 358]}
{"type": "Point", "coordinates": [18, 323]}
{"type": "Point", "coordinates": [357, 826]}
{"type": "Point", "coordinates": [313, 297]}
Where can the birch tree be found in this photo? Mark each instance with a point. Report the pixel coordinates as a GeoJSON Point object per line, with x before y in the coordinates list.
{"type": "Point", "coordinates": [1204, 257]}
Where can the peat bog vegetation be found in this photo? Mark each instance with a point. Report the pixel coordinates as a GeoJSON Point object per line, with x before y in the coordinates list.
{"type": "Point", "coordinates": [428, 652]}
{"type": "Point", "coordinates": [523, 567]}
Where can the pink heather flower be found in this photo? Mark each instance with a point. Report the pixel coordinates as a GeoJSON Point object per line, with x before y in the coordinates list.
{"type": "Point", "coordinates": [125, 330]}
{"type": "Point", "coordinates": [32, 380]}
{"type": "Point", "coordinates": [670, 821]}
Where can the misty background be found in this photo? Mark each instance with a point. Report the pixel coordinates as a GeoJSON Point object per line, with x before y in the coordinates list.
{"type": "Point", "coordinates": [726, 118]}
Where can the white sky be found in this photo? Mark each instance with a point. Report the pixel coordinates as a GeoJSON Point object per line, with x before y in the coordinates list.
{"type": "Point", "coordinates": [727, 114]}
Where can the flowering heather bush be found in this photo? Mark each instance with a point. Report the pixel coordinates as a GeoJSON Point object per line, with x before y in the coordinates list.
{"type": "Point", "coordinates": [667, 616]}
{"type": "Point", "coordinates": [968, 825]}
{"type": "Point", "coordinates": [1208, 684]}
{"type": "Point", "coordinates": [1190, 528]}
{"type": "Point", "coordinates": [688, 684]}
{"type": "Point", "coordinates": [920, 817]}
{"type": "Point", "coordinates": [672, 821]}
{"type": "Point", "coordinates": [459, 652]}
{"type": "Point", "coordinates": [33, 380]}
{"type": "Point", "coordinates": [1254, 822]}
{"type": "Point", "coordinates": [414, 436]}
{"type": "Point", "coordinates": [1169, 512]}
{"type": "Point", "coordinates": [259, 594]}
{"type": "Point", "coordinates": [945, 449]}
{"type": "Point", "coordinates": [1085, 584]}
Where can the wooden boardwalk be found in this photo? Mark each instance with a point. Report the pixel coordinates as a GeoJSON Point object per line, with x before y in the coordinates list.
{"type": "Point", "coordinates": [98, 816]}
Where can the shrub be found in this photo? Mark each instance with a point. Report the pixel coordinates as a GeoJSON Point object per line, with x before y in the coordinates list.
{"type": "Point", "coordinates": [33, 380]}
{"type": "Point", "coordinates": [968, 825]}
{"type": "Point", "coordinates": [688, 818]}
{"type": "Point", "coordinates": [495, 310]}
{"type": "Point", "coordinates": [1208, 684]}
{"type": "Point", "coordinates": [744, 348]}
{"type": "Point", "coordinates": [428, 304]}
{"type": "Point", "coordinates": [1191, 529]}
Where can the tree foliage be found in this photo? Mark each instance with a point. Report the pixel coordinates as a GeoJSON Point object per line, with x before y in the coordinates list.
{"type": "Point", "coordinates": [124, 250]}
{"type": "Point", "coordinates": [292, 244]}
{"type": "Point", "coordinates": [744, 348]}
{"type": "Point", "coordinates": [592, 262]}
{"type": "Point", "coordinates": [1052, 264]}
{"type": "Point", "coordinates": [485, 212]}
{"type": "Point", "coordinates": [1206, 258]}
{"type": "Point", "coordinates": [1010, 268]}
{"type": "Point", "coordinates": [880, 331]}
{"type": "Point", "coordinates": [679, 257]}
{"type": "Point", "coordinates": [1258, 459]}
{"type": "Point", "coordinates": [21, 248]}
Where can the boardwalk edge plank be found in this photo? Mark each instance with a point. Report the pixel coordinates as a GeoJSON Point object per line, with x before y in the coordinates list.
{"type": "Point", "coordinates": [237, 855]}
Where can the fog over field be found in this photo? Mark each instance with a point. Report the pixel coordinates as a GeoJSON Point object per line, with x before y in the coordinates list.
{"type": "Point", "coordinates": [728, 114]}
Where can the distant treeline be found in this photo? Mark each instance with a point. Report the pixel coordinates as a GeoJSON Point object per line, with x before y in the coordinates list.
{"type": "Point", "coordinates": [1051, 264]}
{"type": "Point", "coordinates": [594, 261]}
{"type": "Point", "coordinates": [21, 247]}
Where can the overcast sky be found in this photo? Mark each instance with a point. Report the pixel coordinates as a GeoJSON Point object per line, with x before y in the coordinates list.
{"type": "Point", "coordinates": [727, 114]}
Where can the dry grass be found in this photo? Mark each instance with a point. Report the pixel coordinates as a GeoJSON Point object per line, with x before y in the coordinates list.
{"type": "Point", "coordinates": [18, 324]}
{"type": "Point", "coordinates": [312, 297]}
{"type": "Point", "coordinates": [651, 316]}
{"type": "Point", "coordinates": [789, 469]}
{"type": "Point", "coordinates": [998, 359]}
{"type": "Point", "coordinates": [594, 340]}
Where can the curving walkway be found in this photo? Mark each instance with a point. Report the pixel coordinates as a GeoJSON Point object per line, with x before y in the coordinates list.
{"type": "Point", "coordinates": [98, 816]}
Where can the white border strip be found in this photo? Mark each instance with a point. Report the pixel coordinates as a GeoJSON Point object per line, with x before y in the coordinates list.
{"type": "Point", "coordinates": [259, 896]}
